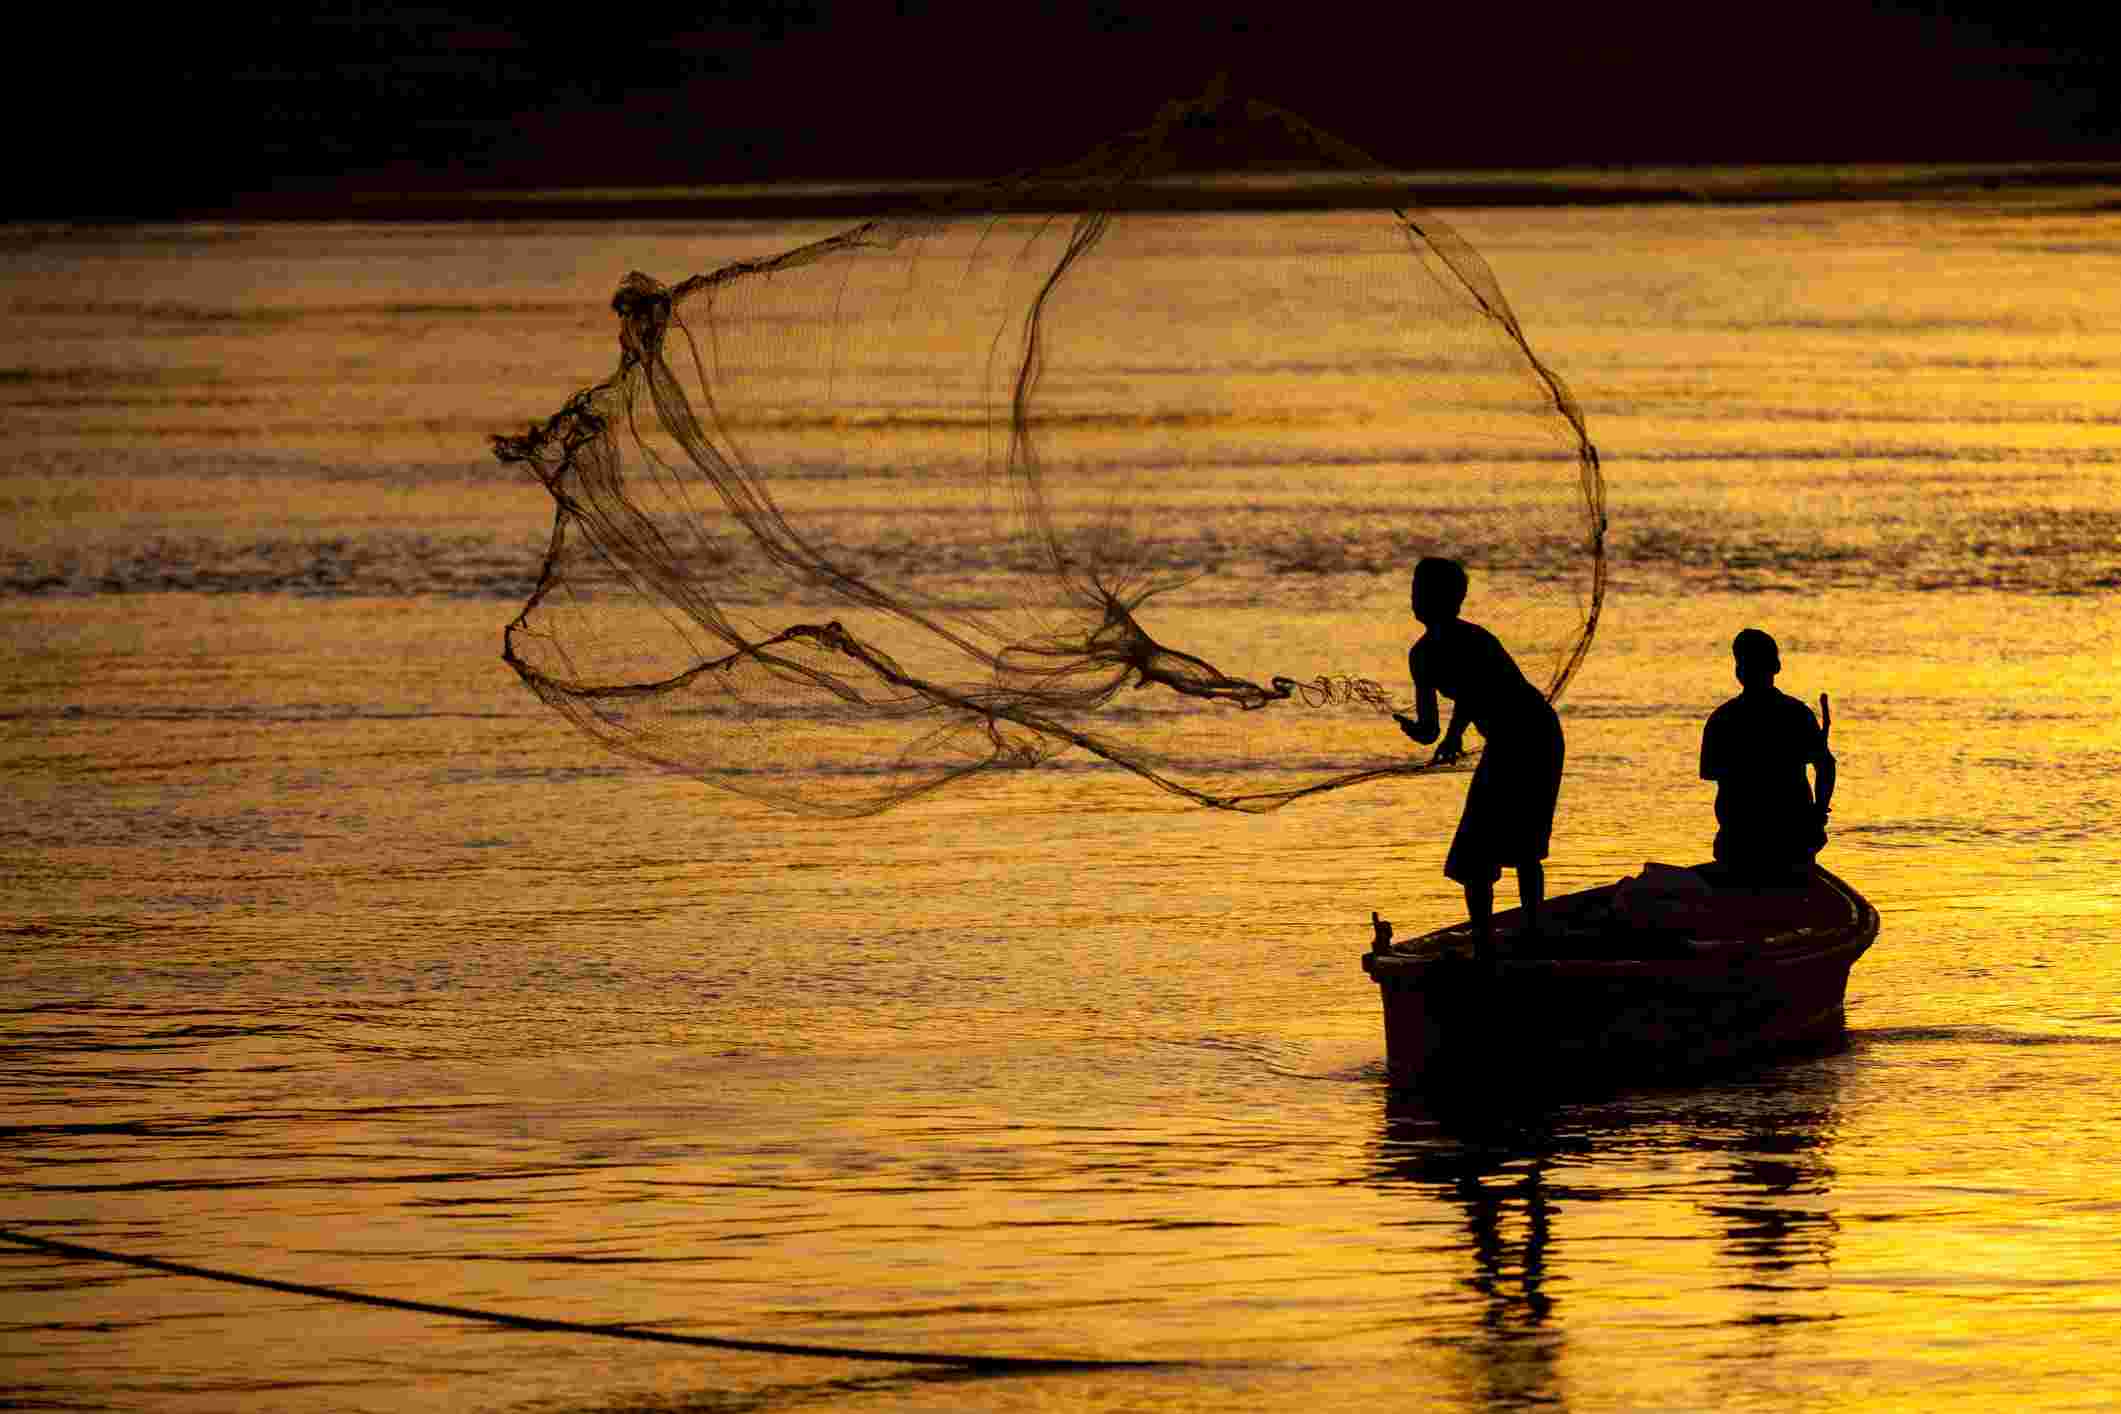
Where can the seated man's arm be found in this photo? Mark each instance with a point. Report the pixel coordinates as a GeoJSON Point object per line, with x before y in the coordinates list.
{"type": "Point", "coordinates": [1823, 768]}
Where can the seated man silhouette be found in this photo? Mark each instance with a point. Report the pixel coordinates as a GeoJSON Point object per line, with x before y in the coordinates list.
{"type": "Point", "coordinates": [1755, 748]}
{"type": "Point", "coordinates": [1509, 810]}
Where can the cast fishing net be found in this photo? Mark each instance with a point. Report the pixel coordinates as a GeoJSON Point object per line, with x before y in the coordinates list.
{"type": "Point", "coordinates": [1062, 469]}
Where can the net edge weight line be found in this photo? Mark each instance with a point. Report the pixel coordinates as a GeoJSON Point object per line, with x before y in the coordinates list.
{"type": "Point", "coordinates": [1022, 1363]}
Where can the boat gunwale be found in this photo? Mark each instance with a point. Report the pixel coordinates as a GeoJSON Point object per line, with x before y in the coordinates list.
{"type": "Point", "coordinates": [1807, 945]}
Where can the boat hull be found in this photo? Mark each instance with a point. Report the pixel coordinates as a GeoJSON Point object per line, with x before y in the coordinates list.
{"type": "Point", "coordinates": [1763, 972]}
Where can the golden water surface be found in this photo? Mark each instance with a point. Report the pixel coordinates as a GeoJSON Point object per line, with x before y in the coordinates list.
{"type": "Point", "coordinates": [330, 955]}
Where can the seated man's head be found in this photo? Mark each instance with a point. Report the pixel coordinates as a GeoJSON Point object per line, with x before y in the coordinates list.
{"type": "Point", "coordinates": [1756, 658]}
{"type": "Point", "coordinates": [1439, 589]}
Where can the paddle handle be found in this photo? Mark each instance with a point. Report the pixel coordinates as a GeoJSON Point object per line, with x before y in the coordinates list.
{"type": "Point", "coordinates": [1826, 717]}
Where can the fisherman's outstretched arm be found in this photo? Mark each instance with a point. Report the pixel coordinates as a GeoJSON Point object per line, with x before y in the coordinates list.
{"type": "Point", "coordinates": [1422, 726]}
{"type": "Point", "coordinates": [1426, 712]}
{"type": "Point", "coordinates": [1453, 744]}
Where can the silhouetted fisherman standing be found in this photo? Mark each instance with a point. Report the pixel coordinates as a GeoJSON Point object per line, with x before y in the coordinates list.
{"type": "Point", "coordinates": [1509, 810]}
{"type": "Point", "coordinates": [1755, 748]}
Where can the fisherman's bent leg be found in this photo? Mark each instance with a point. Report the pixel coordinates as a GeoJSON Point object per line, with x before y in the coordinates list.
{"type": "Point", "coordinates": [1531, 893]}
{"type": "Point", "coordinates": [1480, 908]}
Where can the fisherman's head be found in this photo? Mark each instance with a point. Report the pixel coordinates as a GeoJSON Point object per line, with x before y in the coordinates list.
{"type": "Point", "coordinates": [1439, 589]}
{"type": "Point", "coordinates": [1755, 658]}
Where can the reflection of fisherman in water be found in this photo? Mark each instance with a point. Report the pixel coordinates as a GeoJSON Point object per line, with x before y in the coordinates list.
{"type": "Point", "coordinates": [1753, 1157]}
{"type": "Point", "coordinates": [1509, 810]}
{"type": "Point", "coordinates": [1755, 748]}
{"type": "Point", "coordinates": [1512, 1358]}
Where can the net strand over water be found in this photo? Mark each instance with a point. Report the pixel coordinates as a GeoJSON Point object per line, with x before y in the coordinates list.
{"type": "Point", "coordinates": [935, 496]}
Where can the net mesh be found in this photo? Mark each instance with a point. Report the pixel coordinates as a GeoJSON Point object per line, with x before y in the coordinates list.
{"type": "Point", "coordinates": [1067, 466]}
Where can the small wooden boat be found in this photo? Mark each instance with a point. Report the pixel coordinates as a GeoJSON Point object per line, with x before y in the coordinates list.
{"type": "Point", "coordinates": [1667, 973]}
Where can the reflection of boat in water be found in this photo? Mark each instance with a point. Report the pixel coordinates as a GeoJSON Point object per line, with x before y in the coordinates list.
{"type": "Point", "coordinates": [1716, 1202]}
{"type": "Point", "coordinates": [1675, 972]}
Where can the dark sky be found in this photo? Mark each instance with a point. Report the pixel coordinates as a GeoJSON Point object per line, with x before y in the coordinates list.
{"type": "Point", "coordinates": [198, 115]}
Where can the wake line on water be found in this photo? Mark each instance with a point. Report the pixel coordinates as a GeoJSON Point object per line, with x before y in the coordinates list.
{"type": "Point", "coordinates": [995, 1363]}
{"type": "Point", "coordinates": [1984, 1035]}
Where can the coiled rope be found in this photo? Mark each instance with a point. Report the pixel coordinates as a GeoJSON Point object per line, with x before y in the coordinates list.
{"type": "Point", "coordinates": [610, 1331]}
